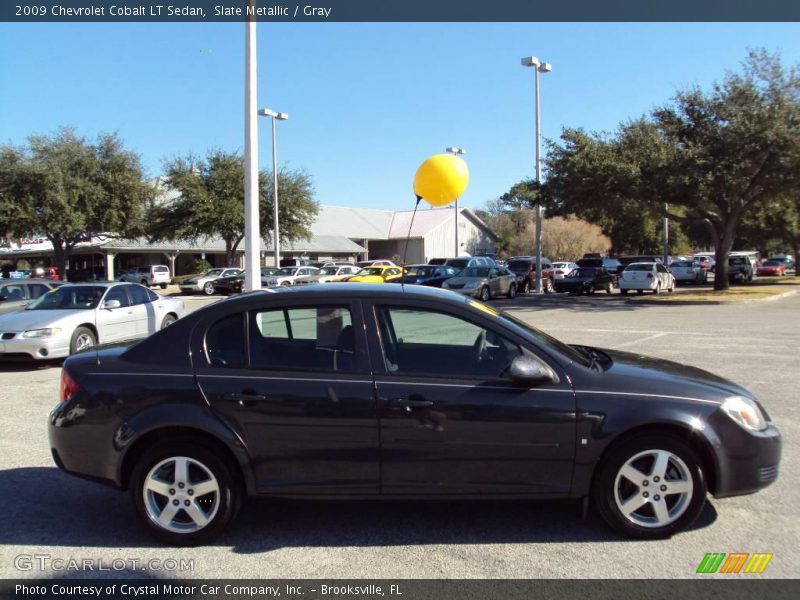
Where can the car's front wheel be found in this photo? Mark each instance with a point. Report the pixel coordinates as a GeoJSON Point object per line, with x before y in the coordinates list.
{"type": "Point", "coordinates": [168, 320]}
{"type": "Point", "coordinates": [512, 291]}
{"type": "Point", "coordinates": [208, 289]}
{"type": "Point", "coordinates": [526, 287]}
{"type": "Point", "coordinates": [650, 487]}
{"type": "Point", "coordinates": [185, 493]}
{"type": "Point", "coordinates": [485, 294]}
{"type": "Point", "coordinates": [82, 339]}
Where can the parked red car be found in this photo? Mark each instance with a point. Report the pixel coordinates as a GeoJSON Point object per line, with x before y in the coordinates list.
{"type": "Point", "coordinates": [773, 268]}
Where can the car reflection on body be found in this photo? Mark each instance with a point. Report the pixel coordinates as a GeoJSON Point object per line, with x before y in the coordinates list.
{"type": "Point", "coordinates": [585, 280]}
{"type": "Point", "coordinates": [375, 373]}
{"type": "Point", "coordinates": [327, 273]}
{"type": "Point", "coordinates": [76, 317]}
{"type": "Point", "coordinates": [483, 283]}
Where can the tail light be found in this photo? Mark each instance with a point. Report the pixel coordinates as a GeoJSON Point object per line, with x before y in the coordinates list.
{"type": "Point", "coordinates": [69, 387]}
{"type": "Point", "coordinates": [152, 275]}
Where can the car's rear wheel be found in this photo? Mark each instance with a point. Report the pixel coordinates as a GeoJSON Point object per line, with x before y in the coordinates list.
{"type": "Point", "coordinates": [658, 288]}
{"type": "Point", "coordinates": [609, 287]}
{"type": "Point", "coordinates": [650, 487]}
{"type": "Point", "coordinates": [526, 287]}
{"type": "Point", "coordinates": [185, 493]}
{"type": "Point", "coordinates": [623, 292]}
{"type": "Point", "coordinates": [168, 320]}
{"type": "Point", "coordinates": [144, 283]}
{"type": "Point", "coordinates": [639, 292]}
{"type": "Point", "coordinates": [286, 284]}
{"type": "Point", "coordinates": [163, 286]}
{"type": "Point", "coordinates": [208, 288]}
{"type": "Point", "coordinates": [485, 294]}
{"type": "Point", "coordinates": [547, 284]}
{"type": "Point", "coordinates": [82, 339]}
{"type": "Point", "coordinates": [512, 291]}
{"type": "Point", "coordinates": [590, 290]}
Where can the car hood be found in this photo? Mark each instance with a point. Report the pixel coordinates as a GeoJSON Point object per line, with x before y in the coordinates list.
{"type": "Point", "coordinates": [635, 373]}
{"type": "Point", "coordinates": [465, 280]}
{"type": "Point", "coordinates": [38, 319]}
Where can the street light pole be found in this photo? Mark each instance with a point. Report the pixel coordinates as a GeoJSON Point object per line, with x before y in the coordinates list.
{"type": "Point", "coordinates": [276, 235]}
{"type": "Point", "coordinates": [541, 67]}
{"type": "Point", "coordinates": [456, 152]}
{"type": "Point", "coordinates": [252, 274]}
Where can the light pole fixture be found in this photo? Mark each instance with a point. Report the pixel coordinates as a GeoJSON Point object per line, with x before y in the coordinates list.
{"type": "Point", "coordinates": [276, 235]}
{"type": "Point", "coordinates": [252, 239]}
{"type": "Point", "coordinates": [457, 152]}
{"type": "Point", "coordinates": [540, 67]}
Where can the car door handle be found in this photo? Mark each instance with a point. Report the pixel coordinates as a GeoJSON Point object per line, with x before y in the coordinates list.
{"type": "Point", "coordinates": [245, 399]}
{"type": "Point", "coordinates": [408, 403]}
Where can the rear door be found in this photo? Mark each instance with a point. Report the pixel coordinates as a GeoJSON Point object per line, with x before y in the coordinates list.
{"type": "Point", "coordinates": [294, 382]}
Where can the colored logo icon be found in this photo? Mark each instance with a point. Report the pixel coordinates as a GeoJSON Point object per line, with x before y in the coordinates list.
{"type": "Point", "coordinates": [736, 562]}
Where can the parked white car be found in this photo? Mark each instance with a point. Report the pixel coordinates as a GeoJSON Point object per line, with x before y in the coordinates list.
{"type": "Point", "coordinates": [205, 283]}
{"type": "Point", "coordinates": [287, 275]}
{"type": "Point", "coordinates": [563, 268]}
{"type": "Point", "coordinates": [648, 276]}
{"type": "Point", "coordinates": [75, 317]}
{"type": "Point", "coordinates": [148, 276]}
{"type": "Point", "coordinates": [688, 271]}
{"type": "Point", "coordinates": [326, 274]}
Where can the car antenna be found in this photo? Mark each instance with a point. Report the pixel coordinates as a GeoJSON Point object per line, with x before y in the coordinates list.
{"type": "Point", "coordinates": [405, 250]}
{"type": "Point", "coordinates": [97, 332]}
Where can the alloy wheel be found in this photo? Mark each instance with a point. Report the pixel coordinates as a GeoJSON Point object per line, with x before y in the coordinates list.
{"type": "Point", "coordinates": [181, 495]}
{"type": "Point", "coordinates": [653, 488]}
{"type": "Point", "coordinates": [83, 342]}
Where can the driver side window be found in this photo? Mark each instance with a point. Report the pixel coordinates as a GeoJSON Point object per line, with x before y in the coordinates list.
{"type": "Point", "coordinates": [437, 344]}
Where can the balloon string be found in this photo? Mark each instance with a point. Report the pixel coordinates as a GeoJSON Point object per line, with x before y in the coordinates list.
{"type": "Point", "coordinates": [405, 250]}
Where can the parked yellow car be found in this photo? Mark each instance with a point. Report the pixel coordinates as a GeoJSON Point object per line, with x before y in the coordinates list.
{"type": "Point", "coordinates": [376, 275]}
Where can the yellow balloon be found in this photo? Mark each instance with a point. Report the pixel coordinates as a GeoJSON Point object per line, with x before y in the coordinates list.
{"type": "Point", "coordinates": [441, 179]}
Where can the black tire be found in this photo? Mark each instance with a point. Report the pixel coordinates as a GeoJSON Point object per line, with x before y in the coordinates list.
{"type": "Point", "coordinates": [144, 283]}
{"type": "Point", "coordinates": [163, 286]}
{"type": "Point", "coordinates": [485, 294]}
{"type": "Point", "coordinates": [639, 292]}
{"type": "Point", "coordinates": [208, 287]}
{"type": "Point", "coordinates": [609, 287]}
{"type": "Point", "coordinates": [285, 283]}
{"type": "Point", "coordinates": [590, 290]}
{"type": "Point", "coordinates": [80, 337]}
{"type": "Point", "coordinates": [512, 291]}
{"type": "Point", "coordinates": [228, 499]}
{"type": "Point", "coordinates": [526, 287]}
{"type": "Point", "coordinates": [548, 286]}
{"type": "Point", "coordinates": [606, 486]}
{"type": "Point", "coordinates": [658, 289]}
{"type": "Point", "coordinates": [168, 320]}
{"type": "Point", "coordinates": [623, 292]}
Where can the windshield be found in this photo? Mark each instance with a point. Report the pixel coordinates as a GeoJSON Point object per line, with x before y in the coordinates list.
{"type": "Point", "coordinates": [458, 263]}
{"type": "Point", "coordinates": [474, 272]}
{"type": "Point", "coordinates": [214, 273]}
{"type": "Point", "coordinates": [423, 271]}
{"type": "Point", "coordinates": [69, 297]}
{"type": "Point", "coordinates": [371, 271]}
{"type": "Point", "coordinates": [640, 267]}
{"type": "Point", "coordinates": [327, 271]}
{"type": "Point", "coordinates": [546, 339]}
{"type": "Point", "coordinates": [286, 271]}
{"type": "Point", "coordinates": [773, 263]}
{"type": "Point", "coordinates": [682, 263]}
{"type": "Point", "coordinates": [521, 265]}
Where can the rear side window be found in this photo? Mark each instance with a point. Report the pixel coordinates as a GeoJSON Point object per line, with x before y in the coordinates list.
{"type": "Point", "coordinates": [161, 269]}
{"type": "Point", "coordinates": [141, 295]}
{"type": "Point", "coordinates": [37, 289]}
{"type": "Point", "coordinates": [118, 293]}
{"type": "Point", "coordinates": [317, 338]}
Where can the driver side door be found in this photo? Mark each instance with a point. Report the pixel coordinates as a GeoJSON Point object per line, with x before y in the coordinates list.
{"type": "Point", "coordinates": [452, 422]}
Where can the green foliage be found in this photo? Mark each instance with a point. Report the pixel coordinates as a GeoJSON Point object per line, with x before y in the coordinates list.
{"type": "Point", "coordinates": [210, 202]}
{"type": "Point", "coordinates": [67, 189]}
{"type": "Point", "coordinates": [198, 265]}
{"type": "Point", "coordinates": [711, 157]}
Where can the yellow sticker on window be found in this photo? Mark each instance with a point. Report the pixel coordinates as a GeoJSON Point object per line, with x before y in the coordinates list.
{"type": "Point", "coordinates": [487, 309]}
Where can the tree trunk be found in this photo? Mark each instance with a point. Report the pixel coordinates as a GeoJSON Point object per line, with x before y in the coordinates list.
{"type": "Point", "coordinates": [60, 255]}
{"type": "Point", "coordinates": [795, 250]}
{"type": "Point", "coordinates": [722, 246]}
{"type": "Point", "coordinates": [229, 254]}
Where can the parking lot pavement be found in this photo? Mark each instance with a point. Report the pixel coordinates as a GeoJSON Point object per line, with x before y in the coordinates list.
{"type": "Point", "coordinates": [48, 512]}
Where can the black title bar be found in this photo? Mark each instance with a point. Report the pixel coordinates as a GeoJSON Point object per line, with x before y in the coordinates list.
{"type": "Point", "coordinates": [397, 10]}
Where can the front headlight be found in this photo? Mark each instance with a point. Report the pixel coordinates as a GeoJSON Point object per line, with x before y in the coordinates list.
{"type": "Point", "coordinates": [41, 333]}
{"type": "Point", "coordinates": [745, 412]}
{"type": "Point", "coordinates": [471, 285]}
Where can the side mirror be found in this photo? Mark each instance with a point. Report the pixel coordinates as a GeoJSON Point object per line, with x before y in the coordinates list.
{"type": "Point", "coordinates": [111, 304]}
{"type": "Point", "coordinates": [529, 371]}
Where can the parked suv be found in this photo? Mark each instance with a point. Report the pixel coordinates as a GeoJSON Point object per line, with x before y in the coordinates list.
{"type": "Point", "coordinates": [524, 267]}
{"type": "Point", "coordinates": [740, 269]}
{"type": "Point", "coordinates": [148, 276]}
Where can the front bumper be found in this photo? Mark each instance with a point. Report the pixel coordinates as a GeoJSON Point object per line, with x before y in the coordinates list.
{"type": "Point", "coordinates": [192, 288]}
{"type": "Point", "coordinates": [746, 461]}
{"type": "Point", "coordinates": [469, 292]}
{"type": "Point", "coordinates": [19, 348]}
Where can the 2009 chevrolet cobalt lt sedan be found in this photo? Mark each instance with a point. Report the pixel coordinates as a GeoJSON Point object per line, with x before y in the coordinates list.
{"type": "Point", "coordinates": [377, 391]}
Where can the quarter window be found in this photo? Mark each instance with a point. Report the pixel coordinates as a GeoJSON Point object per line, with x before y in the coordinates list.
{"type": "Point", "coordinates": [37, 289]}
{"type": "Point", "coordinates": [426, 342]}
{"type": "Point", "coordinates": [225, 342]}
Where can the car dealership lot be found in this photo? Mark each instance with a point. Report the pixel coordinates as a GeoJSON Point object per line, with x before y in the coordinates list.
{"type": "Point", "coordinates": [754, 344]}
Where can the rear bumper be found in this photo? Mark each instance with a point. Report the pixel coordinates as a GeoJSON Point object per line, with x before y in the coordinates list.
{"type": "Point", "coordinates": [648, 284]}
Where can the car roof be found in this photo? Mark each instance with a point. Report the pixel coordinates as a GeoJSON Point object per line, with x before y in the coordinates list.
{"type": "Point", "coordinates": [367, 290]}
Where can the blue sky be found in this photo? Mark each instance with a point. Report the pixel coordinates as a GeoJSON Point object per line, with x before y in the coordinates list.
{"type": "Point", "coordinates": [367, 102]}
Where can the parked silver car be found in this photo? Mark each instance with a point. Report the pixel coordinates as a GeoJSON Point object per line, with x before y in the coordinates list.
{"type": "Point", "coordinates": [205, 283]}
{"type": "Point", "coordinates": [76, 317]}
{"type": "Point", "coordinates": [326, 274]}
{"type": "Point", "coordinates": [148, 276]}
{"type": "Point", "coordinates": [483, 282]}
{"type": "Point", "coordinates": [16, 294]}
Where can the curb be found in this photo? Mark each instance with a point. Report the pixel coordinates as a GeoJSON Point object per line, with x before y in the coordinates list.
{"type": "Point", "coordinates": [708, 302]}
